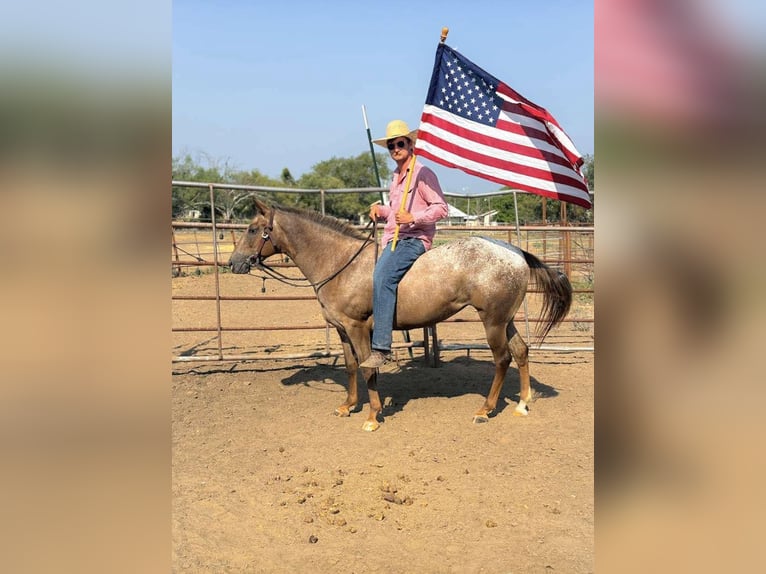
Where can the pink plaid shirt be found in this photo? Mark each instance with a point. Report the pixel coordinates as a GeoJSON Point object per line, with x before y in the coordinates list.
{"type": "Point", "coordinates": [425, 202]}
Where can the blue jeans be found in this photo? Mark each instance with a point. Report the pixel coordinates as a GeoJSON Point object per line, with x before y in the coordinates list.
{"type": "Point", "coordinates": [389, 270]}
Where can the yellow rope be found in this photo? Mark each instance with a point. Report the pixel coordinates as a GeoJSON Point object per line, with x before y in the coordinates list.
{"type": "Point", "coordinates": [404, 199]}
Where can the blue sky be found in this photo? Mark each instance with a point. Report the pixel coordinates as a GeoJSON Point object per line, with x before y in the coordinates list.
{"type": "Point", "coordinates": [269, 85]}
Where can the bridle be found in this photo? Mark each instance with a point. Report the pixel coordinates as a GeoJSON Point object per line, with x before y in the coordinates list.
{"type": "Point", "coordinates": [256, 259]}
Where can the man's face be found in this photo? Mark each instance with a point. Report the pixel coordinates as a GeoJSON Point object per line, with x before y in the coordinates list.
{"type": "Point", "coordinates": [399, 148]}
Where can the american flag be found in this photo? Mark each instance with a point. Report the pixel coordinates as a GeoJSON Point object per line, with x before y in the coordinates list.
{"type": "Point", "coordinates": [474, 122]}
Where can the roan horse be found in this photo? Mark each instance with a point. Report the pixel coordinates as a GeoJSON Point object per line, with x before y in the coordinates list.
{"type": "Point", "coordinates": [338, 261]}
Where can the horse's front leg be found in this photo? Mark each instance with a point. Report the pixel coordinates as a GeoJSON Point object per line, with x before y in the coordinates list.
{"type": "Point", "coordinates": [352, 368]}
{"type": "Point", "coordinates": [358, 342]}
{"type": "Point", "coordinates": [376, 407]}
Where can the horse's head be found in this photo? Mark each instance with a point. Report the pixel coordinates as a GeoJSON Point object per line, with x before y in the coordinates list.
{"type": "Point", "coordinates": [256, 244]}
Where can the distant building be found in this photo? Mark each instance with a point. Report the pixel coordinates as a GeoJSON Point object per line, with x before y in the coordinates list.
{"type": "Point", "coordinates": [455, 216]}
{"type": "Point", "coordinates": [458, 217]}
{"type": "Point", "coordinates": [486, 219]}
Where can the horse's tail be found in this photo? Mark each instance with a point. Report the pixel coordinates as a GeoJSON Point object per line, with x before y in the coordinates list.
{"type": "Point", "coordinates": [557, 294]}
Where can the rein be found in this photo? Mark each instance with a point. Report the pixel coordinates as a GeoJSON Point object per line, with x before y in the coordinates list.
{"type": "Point", "coordinates": [294, 282]}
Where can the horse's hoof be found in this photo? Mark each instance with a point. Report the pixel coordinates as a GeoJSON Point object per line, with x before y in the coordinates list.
{"type": "Point", "coordinates": [342, 412]}
{"type": "Point", "coordinates": [479, 419]}
{"type": "Point", "coordinates": [370, 426]}
{"type": "Point", "coordinates": [520, 411]}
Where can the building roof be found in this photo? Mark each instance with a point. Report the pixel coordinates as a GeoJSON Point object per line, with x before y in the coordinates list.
{"type": "Point", "coordinates": [455, 212]}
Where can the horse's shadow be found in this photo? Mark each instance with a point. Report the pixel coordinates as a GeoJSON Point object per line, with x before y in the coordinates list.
{"type": "Point", "coordinates": [455, 378]}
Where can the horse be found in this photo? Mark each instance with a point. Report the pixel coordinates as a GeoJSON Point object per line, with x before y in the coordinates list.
{"type": "Point", "coordinates": [338, 261]}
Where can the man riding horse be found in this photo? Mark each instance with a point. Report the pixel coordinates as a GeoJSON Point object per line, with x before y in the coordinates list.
{"type": "Point", "coordinates": [416, 203]}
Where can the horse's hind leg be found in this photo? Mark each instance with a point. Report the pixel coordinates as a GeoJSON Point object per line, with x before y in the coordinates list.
{"type": "Point", "coordinates": [498, 342]}
{"type": "Point", "coordinates": [520, 353]}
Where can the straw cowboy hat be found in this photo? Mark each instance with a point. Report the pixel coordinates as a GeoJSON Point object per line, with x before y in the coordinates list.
{"type": "Point", "coordinates": [397, 129]}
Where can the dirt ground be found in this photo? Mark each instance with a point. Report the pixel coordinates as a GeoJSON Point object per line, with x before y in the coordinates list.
{"type": "Point", "coordinates": [266, 479]}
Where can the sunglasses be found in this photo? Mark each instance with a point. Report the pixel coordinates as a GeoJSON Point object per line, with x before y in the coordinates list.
{"type": "Point", "coordinates": [401, 144]}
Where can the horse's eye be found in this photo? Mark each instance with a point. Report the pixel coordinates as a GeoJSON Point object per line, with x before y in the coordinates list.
{"type": "Point", "coordinates": [251, 230]}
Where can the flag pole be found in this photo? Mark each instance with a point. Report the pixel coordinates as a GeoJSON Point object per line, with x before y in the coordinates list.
{"type": "Point", "coordinates": [403, 205]}
{"type": "Point", "coordinates": [372, 150]}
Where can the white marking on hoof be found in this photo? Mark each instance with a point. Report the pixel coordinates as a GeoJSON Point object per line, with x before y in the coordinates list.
{"type": "Point", "coordinates": [521, 410]}
{"type": "Point", "coordinates": [370, 426]}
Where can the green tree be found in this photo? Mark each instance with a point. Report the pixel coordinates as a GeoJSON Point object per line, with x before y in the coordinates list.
{"type": "Point", "coordinates": [340, 173]}
{"type": "Point", "coordinates": [314, 180]}
{"type": "Point", "coordinates": [230, 204]}
{"type": "Point", "coordinates": [530, 208]}
{"type": "Point", "coordinates": [287, 177]}
{"type": "Point", "coordinates": [531, 205]}
{"type": "Point", "coordinates": [245, 206]}
{"type": "Point", "coordinates": [186, 168]}
{"type": "Point", "coordinates": [353, 171]}
{"type": "Point", "coordinates": [588, 170]}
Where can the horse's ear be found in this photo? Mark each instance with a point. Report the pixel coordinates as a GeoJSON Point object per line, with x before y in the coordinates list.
{"type": "Point", "coordinates": [260, 206]}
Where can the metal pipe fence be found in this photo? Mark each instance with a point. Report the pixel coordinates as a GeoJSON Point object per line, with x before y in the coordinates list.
{"type": "Point", "coordinates": [197, 245]}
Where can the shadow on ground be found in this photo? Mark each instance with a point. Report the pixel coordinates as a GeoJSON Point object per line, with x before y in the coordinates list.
{"type": "Point", "coordinates": [454, 378]}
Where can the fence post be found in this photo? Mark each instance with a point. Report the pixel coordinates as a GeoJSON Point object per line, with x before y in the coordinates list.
{"type": "Point", "coordinates": [215, 267]}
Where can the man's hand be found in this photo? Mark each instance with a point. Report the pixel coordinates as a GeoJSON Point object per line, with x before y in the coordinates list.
{"type": "Point", "coordinates": [374, 211]}
{"type": "Point", "coordinates": [404, 217]}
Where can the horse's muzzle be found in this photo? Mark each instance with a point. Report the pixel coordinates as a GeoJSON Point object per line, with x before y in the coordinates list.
{"type": "Point", "coordinates": [241, 265]}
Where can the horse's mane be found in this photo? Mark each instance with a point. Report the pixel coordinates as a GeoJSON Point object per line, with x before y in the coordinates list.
{"type": "Point", "coordinates": [323, 220]}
